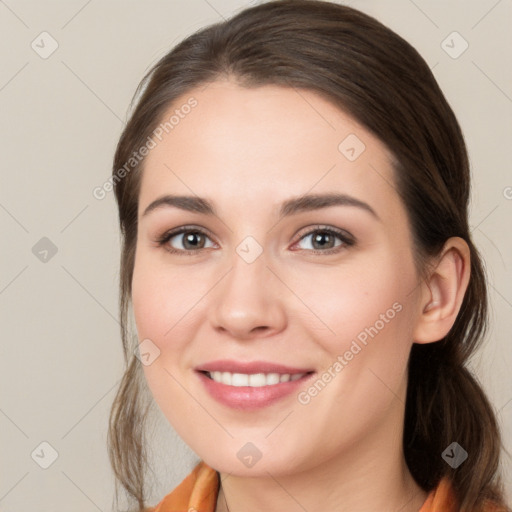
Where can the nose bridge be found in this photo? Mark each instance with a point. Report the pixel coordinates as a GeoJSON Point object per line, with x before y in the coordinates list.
{"type": "Point", "coordinates": [248, 262]}
{"type": "Point", "coordinates": [246, 298]}
{"type": "Point", "coordinates": [247, 279]}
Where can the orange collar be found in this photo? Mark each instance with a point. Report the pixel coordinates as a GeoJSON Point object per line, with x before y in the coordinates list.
{"type": "Point", "coordinates": [441, 499]}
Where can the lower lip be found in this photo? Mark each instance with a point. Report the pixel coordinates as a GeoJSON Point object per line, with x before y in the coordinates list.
{"type": "Point", "coordinates": [250, 398]}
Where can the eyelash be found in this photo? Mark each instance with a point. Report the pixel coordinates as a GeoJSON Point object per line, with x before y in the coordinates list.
{"type": "Point", "coordinates": [345, 237]}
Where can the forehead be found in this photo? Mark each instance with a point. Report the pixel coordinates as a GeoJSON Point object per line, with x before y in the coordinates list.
{"type": "Point", "coordinates": [264, 144]}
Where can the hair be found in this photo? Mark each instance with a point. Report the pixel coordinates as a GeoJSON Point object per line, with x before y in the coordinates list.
{"type": "Point", "coordinates": [371, 73]}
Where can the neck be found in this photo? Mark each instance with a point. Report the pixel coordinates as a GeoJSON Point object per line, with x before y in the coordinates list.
{"type": "Point", "coordinates": [342, 494]}
{"type": "Point", "coordinates": [371, 475]}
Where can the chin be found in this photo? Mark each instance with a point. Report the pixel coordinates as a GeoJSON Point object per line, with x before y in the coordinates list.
{"type": "Point", "coordinates": [250, 462]}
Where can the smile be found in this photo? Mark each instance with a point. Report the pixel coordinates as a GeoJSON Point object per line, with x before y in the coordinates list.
{"type": "Point", "coordinates": [254, 380]}
{"type": "Point", "coordinates": [251, 391]}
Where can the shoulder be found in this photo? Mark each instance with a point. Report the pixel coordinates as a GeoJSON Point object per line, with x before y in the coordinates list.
{"type": "Point", "coordinates": [197, 492]}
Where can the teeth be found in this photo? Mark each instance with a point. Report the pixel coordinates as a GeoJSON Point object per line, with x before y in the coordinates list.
{"type": "Point", "coordinates": [254, 380]}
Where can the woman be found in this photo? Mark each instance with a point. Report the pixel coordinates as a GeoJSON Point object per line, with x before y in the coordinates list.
{"type": "Point", "coordinates": [293, 190]}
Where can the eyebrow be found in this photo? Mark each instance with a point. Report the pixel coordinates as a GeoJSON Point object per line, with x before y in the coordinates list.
{"type": "Point", "coordinates": [289, 207]}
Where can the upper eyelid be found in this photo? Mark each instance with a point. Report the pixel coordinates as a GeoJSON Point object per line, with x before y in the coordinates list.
{"type": "Point", "coordinates": [185, 229]}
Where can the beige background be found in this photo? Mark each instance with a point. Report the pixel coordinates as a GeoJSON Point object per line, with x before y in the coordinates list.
{"type": "Point", "coordinates": [61, 117]}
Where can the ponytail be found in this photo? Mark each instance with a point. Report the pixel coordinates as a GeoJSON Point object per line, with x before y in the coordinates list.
{"type": "Point", "coordinates": [446, 404]}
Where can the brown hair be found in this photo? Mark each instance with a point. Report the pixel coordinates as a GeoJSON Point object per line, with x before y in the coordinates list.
{"type": "Point", "coordinates": [374, 75]}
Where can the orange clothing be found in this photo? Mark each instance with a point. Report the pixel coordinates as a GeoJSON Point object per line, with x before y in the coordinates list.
{"type": "Point", "coordinates": [199, 490]}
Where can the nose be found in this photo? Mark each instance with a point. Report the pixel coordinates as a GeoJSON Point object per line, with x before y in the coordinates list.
{"type": "Point", "coordinates": [247, 303]}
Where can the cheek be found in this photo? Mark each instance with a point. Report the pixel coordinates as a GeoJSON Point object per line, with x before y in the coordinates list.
{"type": "Point", "coordinates": [351, 299]}
{"type": "Point", "coordinates": [370, 312]}
{"type": "Point", "coordinates": [160, 300]}
{"type": "Point", "coordinates": [159, 297]}
{"type": "Point", "coordinates": [167, 303]}
{"type": "Point", "coordinates": [148, 308]}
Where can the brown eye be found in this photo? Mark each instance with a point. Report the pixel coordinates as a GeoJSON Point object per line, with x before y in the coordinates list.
{"type": "Point", "coordinates": [184, 240]}
{"type": "Point", "coordinates": [192, 240]}
{"type": "Point", "coordinates": [323, 240]}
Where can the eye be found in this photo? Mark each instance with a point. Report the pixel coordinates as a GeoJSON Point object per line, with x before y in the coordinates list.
{"type": "Point", "coordinates": [192, 242]}
{"type": "Point", "coordinates": [323, 238]}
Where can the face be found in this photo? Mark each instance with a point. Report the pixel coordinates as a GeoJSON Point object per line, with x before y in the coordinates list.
{"type": "Point", "coordinates": [325, 290]}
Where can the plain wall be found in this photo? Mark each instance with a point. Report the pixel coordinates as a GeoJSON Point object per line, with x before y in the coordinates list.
{"type": "Point", "coordinates": [61, 116]}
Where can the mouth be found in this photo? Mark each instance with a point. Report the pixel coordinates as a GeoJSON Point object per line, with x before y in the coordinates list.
{"type": "Point", "coordinates": [253, 380]}
{"type": "Point", "coordinates": [250, 386]}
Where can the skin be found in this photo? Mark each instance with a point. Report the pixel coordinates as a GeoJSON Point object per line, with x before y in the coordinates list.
{"type": "Point", "coordinates": [248, 150]}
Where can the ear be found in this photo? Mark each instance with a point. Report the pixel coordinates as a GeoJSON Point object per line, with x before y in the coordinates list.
{"type": "Point", "coordinates": [443, 292]}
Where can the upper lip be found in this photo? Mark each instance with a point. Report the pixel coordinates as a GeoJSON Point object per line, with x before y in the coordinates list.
{"type": "Point", "coordinates": [226, 365]}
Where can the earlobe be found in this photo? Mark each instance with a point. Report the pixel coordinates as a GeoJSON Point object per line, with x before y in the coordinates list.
{"type": "Point", "coordinates": [443, 292]}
